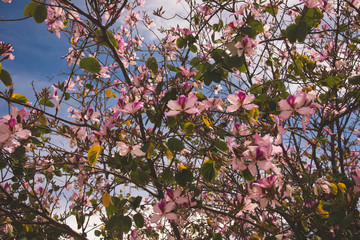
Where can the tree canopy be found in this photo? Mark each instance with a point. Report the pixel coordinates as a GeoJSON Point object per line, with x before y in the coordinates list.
{"type": "Point", "coordinates": [233, 119]}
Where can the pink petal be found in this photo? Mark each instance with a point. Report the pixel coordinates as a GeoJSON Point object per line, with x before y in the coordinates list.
{"type": "Point", "coordinates": [136, 151]}
{"type": "Point", "coordinates": [182, 200]}
{"type": "Point", "coordinates": [157, 209]}
{"type": "Point", "coordinates": [174, 105]}
{"type": "Point", "coordinates": [169, 206]}
{"type": "Point", "coordinates": [192, 111]}
{"type": "Point", "coordinates": [233, 99]}
{"type": "Point", "coordinates": [250, 106]}
{"type": "Point", "coordinates": [23, 134]}
{"type": "Point", "coordinates": [4, 133]}
{"type": "Point", "coordinates": [284, 115]}
{"type": "Point", "coordinates": [155, 218]}
{"type": "Point", "coordinates": [249, 99]}
{"type": "Point", "coordinates": [171, 113]}
{"type": "Point", "coordinates": [177, 193]}
{"type": "Point", "coordinates": [190, 102]}
{"type": "Point", "coordinates": [233, 108]}
{"type": "Point", "coordinates": [264, 165]}
{"type": "Point", "coordinates": [305, 111]}
{"type": "Point", "coordinates": [171, 216]}
{"type": "Point", "coordinates": [284, 105]}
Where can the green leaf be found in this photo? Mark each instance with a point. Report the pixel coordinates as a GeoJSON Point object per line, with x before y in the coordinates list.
{"type": "Point", "coordinates": [183, 177]}
{"type": "Point", "coordinates": [175, 145]}
{"type": "Point", "coordinates": [5, 77]}
{"type": "Point", "coordinates": [302, 30]}
{"type": "Point", "coordinates": [233, 61]}
{"type": "Point", "coordinates": [251, 32]}
{"type": "Point", "coordinates": [257, 25]}
{"type": "Point", "coordinates": [67, 96]}
{"type": "Point", "coordinates": [139, 220]}
{"type": "Point", "coordinates": [195, 61]}
{"type": "Point", "coordinates": [40, 13]}
{"type": "Point", "coordinates": [172, 68]}
{"type": "Point", "coordinates": [292, 33]}
{"type": "Point", "coordinates": [193, 48]}
{"type": "Point", "coordinates": [126, 223]}
{"type": "Point", "coordinates": [208, 171]}
{"type": "Point", "coordinates": [247, 175]}
{"type": "Point", "coordinates": [353, 80]}
{"type": "Point", "coordinates": [114, 223]}
{"type": "Point", "coordinates": [136, 202]}
{"type": "Point", "coordinates": [221, 146]}
{"type": "Point", "coordinates": [30, 9]}
{"type": "Point", "coordinates": [152, 64]}
{"type": "Point", "coordinates": [331, 81]}
{"type": "Point", "coordinates": [180, 42]}
{"type": "Point", "coordinates": [212, 76]}
{"type": "Point", "coordinates": [217, 236]}
{"type": "Point", "coordinates": [110, 37]}
{"type": "Point", "coordinates": [313, 17]}
{"type": "Point", "coordinates": [46, 102]}
{"type": "Point", "coordinates": [90, 64]}
{"type": "Point", "coordinates": [256, 89]}
{"type": "Point", "coordinates": [19, 98]}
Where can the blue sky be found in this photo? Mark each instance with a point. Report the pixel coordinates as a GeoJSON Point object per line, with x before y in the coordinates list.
{"type": "Point", "coordinates": [37, 52]}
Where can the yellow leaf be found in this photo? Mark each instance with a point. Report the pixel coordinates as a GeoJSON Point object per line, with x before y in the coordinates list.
{"type": "Point", "coordinates": [77, 95]}
{"type": "Point", "coordinates": [307, 89]}
{"type": "Point", "coordinates": [108, 93]}
{"type": "Point", "coordinates": [94, 153]}
{"type": "Point", "coordinates": [324, 214]}
{"type": "Point", "coordinates": [115, 95]}
{"type": "Point", "coordinates": [189, 128]}
{"type": "Point", "coordinates": [42, 120]}
{"type": "Point", "coordinates": [342, 187]}
{"type": "Point", "coordinates": [182, 167]}
{"type": "Point", "coordinates": [106, 199]}
{"type": "Point", "coordinates": [254, 115]}
{"type": "Point", "coordinates": [150, 150]}
{"type": "Point", "coordinates": [169, 154]}
{"type": "Point", "coordinates": [19, 98]}
{"type": "Point", "coordinates": [207, 121]}
{"type": "Point", "coordinates": [72, 41]}
{"type": "Point", "coordinates": [254, 236]}
{"type": "Point", "coordinates": [127, 122]}
{"type": "Point", "coordinates": [334, 189]}
{"type": "Point", "coordinates": [27, 227]}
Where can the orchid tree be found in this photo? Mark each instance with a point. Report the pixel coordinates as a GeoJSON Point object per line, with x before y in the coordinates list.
{"type": "Point", "coordinates": [241, 122]}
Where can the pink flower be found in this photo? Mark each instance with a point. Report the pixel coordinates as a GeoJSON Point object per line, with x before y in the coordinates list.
{"type": "Point", "coordinates": [295, 103]}
{"type": "Point", "coordinates": [241, 129]}
{"type": "Point", "coordinates": [183, 104]}
{"type": "Point", "coordinates": [240, 99]}
{"type": "Point", "coordinates": [174, 196]}
{"type": "Point", "coordinates": [211, 103]}
{"type": "Point", "coordinates": [132, 18]}
{"type": "Point", "coordinates": [10, 128]}
{"type": "Point", "coordinates": [91, 115]}
{"type": "Point", "coordinates": [311, 3]}
{"type": "Point", "coordinates": [126, 148]}
{"type": "Point", "coordinates": [247, 46]}
{"type": "Point", "coordinates": [244, 204]}
{"type": "Point", "coordinates": [186, 71]}
{"type": "Point", "coordinates": [356, 178]}
{"type": "Point", "coordinates": [132, 107]}
{"type": "Point", "coordinates": [163, 209]}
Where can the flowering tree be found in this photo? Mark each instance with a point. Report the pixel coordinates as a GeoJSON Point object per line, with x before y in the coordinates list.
{"type": "Point", "coordinates": [240, 124]}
